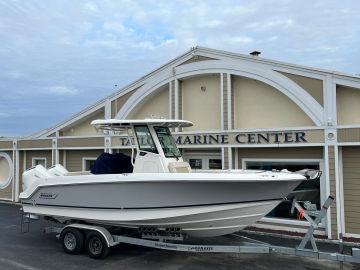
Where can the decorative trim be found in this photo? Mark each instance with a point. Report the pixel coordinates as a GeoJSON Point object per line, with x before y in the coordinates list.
{"type": "Point", "coordinates": [222, 101]}
{"type": "Point", "coordinates": [348, 144]}
{"type": "Point", "coordinates": [252, 145]}
{"type": "Point", "coordinates": [298, 95]}
{"type": "Point", "coordinates": [349, 82]}
{"type": "Point", "coordinates": [327, 177]}
{"type": "Point", "coordinates": [352, 235]}
{"type": "Point", "coordinates": [6, 183]}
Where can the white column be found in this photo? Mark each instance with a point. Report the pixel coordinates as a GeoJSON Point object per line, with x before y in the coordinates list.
{"type": "Point", "coordinates": [221, 101]}
{"type": "Point", "coordinates": [222, 158]}
{"type": "Point", "coordinates": [176, 99]}
{"type": "Point", "coordinates": [340, 215]}
{"type": "Point", "coordinates": [14, 171]}
{"type": "Point", "coordinates": [170, 103]}
{"type": "Point", "coordinates": [230, 158]}
{"type": "Point", "coordinates": [229, 101]}
{"type": "Point", "coordinates": [17, 178]}
{"type": "Point", "coordinates": [329, 93]}
{"type": "Point", "coordinates": [108, 109]}
{"type": "Point", "coordinates": [327, 180]}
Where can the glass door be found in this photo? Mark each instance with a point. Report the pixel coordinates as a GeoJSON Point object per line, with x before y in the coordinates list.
{"type": "Point", "coordinates": [204, 161]}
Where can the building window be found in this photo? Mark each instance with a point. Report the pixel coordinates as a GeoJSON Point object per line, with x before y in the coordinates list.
{"type": "Point", "coordinates": [215, 163]}
{"type": "Point", "coordinates": [203, 161]}
{"type": "Point", "coordinates": [307, 193]}
{"type": "Point", "coordinates": [88, 164]}
{"type": "Point", "coordinates": [196, 163]}
{"type": "Point", "coordinates": [39, 161]}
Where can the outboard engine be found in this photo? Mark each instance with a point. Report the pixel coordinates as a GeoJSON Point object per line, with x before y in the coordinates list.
{"type": "Point", "coordinates": [57, 170]}
{"type": "Point", "coordinates": [32, 174]}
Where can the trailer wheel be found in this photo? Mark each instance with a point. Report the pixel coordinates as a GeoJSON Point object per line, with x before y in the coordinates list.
{"type": "Point", "coordinates": [72, 240]}
{"type": "Point", "coordinates": [96, 246]}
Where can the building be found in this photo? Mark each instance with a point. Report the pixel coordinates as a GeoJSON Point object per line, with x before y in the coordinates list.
{"type": "Point", "coordinates": [249, 112]}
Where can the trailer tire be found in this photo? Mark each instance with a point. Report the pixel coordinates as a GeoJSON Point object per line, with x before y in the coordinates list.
{"type": "Point", "coordinates": [72, 240]}
{"type": "Point", "coordinates": [96, 245]}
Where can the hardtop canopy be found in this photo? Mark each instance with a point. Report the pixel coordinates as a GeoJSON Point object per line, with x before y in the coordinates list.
{"type": "Point", "coordinates": [118, 124]}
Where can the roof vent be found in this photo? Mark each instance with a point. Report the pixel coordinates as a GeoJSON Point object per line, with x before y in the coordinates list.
{"type": "Point", "coordinates": [255, 53]}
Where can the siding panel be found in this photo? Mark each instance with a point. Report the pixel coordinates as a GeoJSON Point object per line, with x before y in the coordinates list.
{"type": "Point", "coordinates": [74, 158]}
{"type": "Point", "coordinates": [351, 182]}
{"type": "Point", "coordinates": [30, 154]}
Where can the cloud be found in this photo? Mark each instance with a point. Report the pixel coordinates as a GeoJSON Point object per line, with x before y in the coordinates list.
{"type": "Point", "coordinates": [62, 90]}
{"type": "Point", "coordinates": [51, 51]}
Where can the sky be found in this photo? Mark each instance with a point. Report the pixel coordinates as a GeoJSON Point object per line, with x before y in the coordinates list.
{"type": "Point", "coordinates": [57, 57]}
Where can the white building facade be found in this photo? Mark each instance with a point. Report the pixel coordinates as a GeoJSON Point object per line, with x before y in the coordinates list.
{"type": "Point", "coordinates": [248, 112]}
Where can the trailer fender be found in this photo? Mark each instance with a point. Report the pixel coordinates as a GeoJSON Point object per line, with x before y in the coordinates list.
{"type": "Point", "coordinates": [103, 231]}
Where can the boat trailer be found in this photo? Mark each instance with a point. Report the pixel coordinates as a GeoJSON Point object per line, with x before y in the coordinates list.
{"type": "Point", "coordinates": [99, 240]}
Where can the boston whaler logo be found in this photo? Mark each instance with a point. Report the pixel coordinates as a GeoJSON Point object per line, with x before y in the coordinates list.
{"type": "Point", "coordinates": [201, 249]}
{"type": "Point", "coordinates": [47, 195]}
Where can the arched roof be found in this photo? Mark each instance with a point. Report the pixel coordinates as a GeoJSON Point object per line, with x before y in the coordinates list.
{"type": "Point", "coordinates": [251, 70]}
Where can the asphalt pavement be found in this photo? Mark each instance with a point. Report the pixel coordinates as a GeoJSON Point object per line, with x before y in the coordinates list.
{"type": "Point", "coordinates": [35, 250]}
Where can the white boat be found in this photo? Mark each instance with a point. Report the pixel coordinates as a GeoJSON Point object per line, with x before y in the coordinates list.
{"type": "Point", "coordinates": [161, 193]}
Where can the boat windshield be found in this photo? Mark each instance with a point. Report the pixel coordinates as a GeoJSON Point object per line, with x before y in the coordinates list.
{"type": "Point", "coordinates": [167, 142]}
{"type": "Point", "coordinates": [146, 142]}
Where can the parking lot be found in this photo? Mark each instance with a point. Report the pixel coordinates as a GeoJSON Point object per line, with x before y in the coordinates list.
{"type": "Point", "coordinates": [35, 250]}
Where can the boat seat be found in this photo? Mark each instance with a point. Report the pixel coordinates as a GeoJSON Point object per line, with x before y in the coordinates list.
{"type": "Point", "coordinates": [112, 164]}
{"type": "Point", "coordinates": [179, 167]}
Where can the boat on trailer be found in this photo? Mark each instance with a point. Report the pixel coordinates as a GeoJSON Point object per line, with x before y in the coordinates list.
{"type": "Point", "coordinates": [162, 193]}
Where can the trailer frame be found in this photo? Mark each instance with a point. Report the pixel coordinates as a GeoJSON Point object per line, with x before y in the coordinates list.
{"type": "Point", "coordinates": [247, 245]}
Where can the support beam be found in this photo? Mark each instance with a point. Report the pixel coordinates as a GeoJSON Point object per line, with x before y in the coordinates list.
{"type": "Point", "coordinates": [176, 93]}
{"type": "Point", "coordinates": [222, 100]}
{"type": "Point", "coordinates": [17, 174]}
{"type": "Point", "coordinates": [229, 101]}
{"type": "Point", "coordinates": [107, 108]}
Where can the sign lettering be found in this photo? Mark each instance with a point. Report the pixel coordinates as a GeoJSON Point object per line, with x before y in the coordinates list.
{"type": "Point", "coordinates": [286, 137]}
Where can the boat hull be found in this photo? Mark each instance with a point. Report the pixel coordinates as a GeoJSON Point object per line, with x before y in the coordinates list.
{"type": "Point", "coordinates": [198, 207]}
{"type": "Point", "coordinates": [201, 221]}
